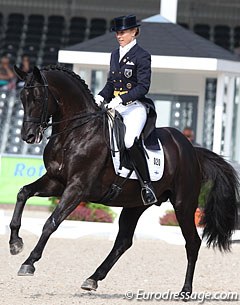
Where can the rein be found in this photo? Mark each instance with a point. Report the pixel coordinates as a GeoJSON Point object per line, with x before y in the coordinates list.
{"type": "Point", "coordinates": [85, 117]}
{"type": "Point", "coordinates": [90, 116]}
{"type": "Point", "coordinates": [44, 124]}
{"type": "Point", "coordinates": [44, 118]}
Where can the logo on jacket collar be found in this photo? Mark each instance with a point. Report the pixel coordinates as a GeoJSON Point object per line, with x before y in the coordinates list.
{"type": "Point", "coordinates": [128, 73]}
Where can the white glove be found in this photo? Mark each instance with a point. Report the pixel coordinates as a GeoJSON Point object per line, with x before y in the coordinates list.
{"type": "Point", "coordinates": [99, 99]}
{"type": "Point", "coordinates": [116, 101]}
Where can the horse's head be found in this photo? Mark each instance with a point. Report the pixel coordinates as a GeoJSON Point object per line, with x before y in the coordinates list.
{"type": "Point", "coordinates": [35, 99]}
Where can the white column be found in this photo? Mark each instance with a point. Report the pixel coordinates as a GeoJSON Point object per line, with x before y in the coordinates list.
{"type": "Point", "coordinates": [217, 136]}
{"type": "Point", "coordinates": [168, 9]}
{"type": "Point", "coordinates": [201, 105]}
{"type": "Point", "coordinates": [229, 118]}
{"type": "Point", "coordinates": [237, 136]}
{"type": "Point", "coordinates": [84, 72]}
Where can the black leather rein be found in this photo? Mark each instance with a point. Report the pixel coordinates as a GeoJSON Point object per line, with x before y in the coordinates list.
{"type": "Point", "coordinates": [44, 118]}
{"type": "Point", "coordinates": [81, 119]}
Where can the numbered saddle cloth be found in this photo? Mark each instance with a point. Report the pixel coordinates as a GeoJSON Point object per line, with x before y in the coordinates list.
{"type": "Point", "coordinates": [154, 153]}
{"type": "Point", "coordinates": [155, 160]}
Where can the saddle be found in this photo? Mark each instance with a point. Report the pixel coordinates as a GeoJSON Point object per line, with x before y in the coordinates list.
{"type": "Point", "coordinates": [117, 130]}
{"type": "Point", "coordinates": [121, 160]}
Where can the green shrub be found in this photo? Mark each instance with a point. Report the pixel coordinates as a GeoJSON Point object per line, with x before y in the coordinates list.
{"type": "Point", "coordinates": [204, 192]}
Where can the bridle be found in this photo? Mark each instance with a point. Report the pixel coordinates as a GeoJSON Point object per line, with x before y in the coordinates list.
{"type": "Point", "coordinates": [44, 117]}
{"type": "Point", "coordinates": [82, 118]}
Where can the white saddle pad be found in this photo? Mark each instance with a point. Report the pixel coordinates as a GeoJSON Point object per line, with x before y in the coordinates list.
{"type": "Point", "coordinates": [155, 160]}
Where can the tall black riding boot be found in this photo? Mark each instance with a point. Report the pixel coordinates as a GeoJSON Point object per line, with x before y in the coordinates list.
{"type": "Point", "coordinates": [139, 161]}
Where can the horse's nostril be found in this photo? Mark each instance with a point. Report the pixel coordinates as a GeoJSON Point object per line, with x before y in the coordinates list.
{"type": "Point", "coordinates": [30, 138]}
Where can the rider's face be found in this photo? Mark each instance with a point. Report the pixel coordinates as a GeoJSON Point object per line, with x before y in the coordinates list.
{"type": "Point", "coordinates": [126, 36]}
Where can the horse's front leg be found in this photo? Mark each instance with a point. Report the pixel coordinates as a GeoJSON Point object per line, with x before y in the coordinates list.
{"type": "Point", "coordinates": [127, 224]}
{"type": "Point", "coordinates": [43, 187]}
{"type": "Point", "coordinates": [69, 201]}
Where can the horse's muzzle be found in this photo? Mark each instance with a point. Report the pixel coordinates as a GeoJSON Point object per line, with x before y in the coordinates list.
{"type": "Point", "coordinates": [32, 135]}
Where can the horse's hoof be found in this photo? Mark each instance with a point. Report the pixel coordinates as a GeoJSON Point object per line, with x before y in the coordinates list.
{"type": "Point", "coordinates": [185, 295]}
{"type": "Point", "coordinates": [26, 270]}
{"type": "Point", "coordinates": [89, 285]}
{"type": "Point", "coordinates": [16, 247]}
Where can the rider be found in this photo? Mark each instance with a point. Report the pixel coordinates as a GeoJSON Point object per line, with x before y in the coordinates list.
{"type": "Point", "coordinates": [127, 84]}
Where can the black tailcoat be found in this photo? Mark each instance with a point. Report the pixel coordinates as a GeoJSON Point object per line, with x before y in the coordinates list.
{"type": "Point", "coordinates": [131, 74]}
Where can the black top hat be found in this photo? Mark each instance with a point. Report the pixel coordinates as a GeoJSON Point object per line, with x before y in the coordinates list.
{"type": "Point", "coordinates": [124, 23]}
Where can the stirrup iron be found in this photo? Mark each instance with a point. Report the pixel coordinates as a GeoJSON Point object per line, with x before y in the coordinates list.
{"type": "Point", "coordinates": [148, 195]}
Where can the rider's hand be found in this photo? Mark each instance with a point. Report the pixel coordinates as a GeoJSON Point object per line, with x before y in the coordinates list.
{"type": "Point", "coordinates": [116, 101]}
{"type": "Point", "coordinates": [98, 99]}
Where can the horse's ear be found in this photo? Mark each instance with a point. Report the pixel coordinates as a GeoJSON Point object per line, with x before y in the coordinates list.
{"type": "Point", "coordinates": [37, 74]}
{"type": "Point", "coordinates": [20, 74]}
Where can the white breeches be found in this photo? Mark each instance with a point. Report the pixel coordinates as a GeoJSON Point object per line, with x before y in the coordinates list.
{"type": "Point", "coordinates": [134, 117]}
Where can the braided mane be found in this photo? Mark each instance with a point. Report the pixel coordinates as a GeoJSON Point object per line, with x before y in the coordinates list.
{"type": "Point", "coordinates": [70, 73]}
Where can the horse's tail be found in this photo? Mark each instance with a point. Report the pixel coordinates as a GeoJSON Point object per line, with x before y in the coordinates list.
{"type": "Point", "coordinates": [220, 212]}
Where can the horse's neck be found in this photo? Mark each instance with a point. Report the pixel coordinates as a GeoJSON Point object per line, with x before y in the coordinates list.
{"type": "Point", "coordinates": [74, 107]}
{"type": "Point", "coordinates": [72, 112]}
{"type": "Point", "coordinates": [71, 99]}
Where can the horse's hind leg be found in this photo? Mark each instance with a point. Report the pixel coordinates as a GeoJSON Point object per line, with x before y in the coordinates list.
{"type": "Point", "coordinates": [185, 217]}
{"type": "Point", "coordinates": [69, 201]}
{"type": "Point", "coordinates": [43, 187]}
{"type": "Point", "coordinates": [127, 224]}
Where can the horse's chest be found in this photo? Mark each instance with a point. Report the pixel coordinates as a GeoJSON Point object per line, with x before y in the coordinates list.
{"type": "Point", "coordinates": [55, 168]}
{"type": "Point", "coordinates": [55, 163]}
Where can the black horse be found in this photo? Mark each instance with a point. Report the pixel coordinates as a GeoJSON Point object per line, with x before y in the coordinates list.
{"type": "Point", "coordinates": [79, 168]}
